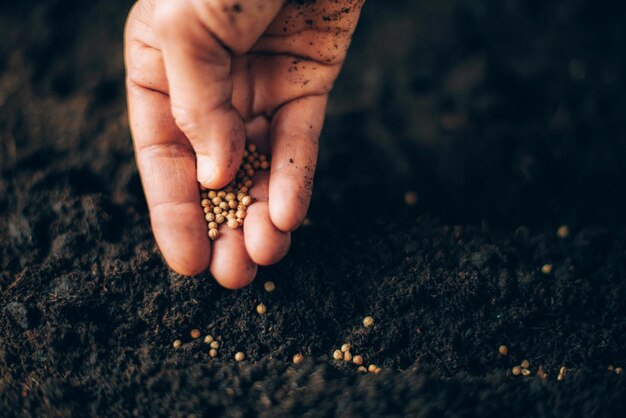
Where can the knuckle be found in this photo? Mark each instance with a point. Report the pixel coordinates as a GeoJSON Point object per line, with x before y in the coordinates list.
{"type": "Point", "coordinates": [186, 119]}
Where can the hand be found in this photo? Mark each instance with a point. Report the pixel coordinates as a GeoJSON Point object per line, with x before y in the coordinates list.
{"type": "Point", "coordinates": [204, 75]}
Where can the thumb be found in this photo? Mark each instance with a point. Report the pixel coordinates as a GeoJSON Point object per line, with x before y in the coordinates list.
{"type": "Point", "coordinates": [197, 38]}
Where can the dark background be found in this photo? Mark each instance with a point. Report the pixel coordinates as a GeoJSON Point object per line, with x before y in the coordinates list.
{"type": "Point", "coordinates": [505, 117]}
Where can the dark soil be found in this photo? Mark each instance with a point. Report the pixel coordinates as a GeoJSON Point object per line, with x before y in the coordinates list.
{"type": "Point", "coordinates": [507, 120]}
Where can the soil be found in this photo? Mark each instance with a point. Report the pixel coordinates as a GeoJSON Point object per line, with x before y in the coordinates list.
{"type": "Point", "coordinates": [507, 120]}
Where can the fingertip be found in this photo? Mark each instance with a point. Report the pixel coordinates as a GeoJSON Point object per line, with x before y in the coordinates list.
{"type": "Point", "coordinates": [234, 279]}
{"type": "Point", "coordinates": [285, 215]}
{"type": "Point", "coordinates": [265, 243]}
{"type": "Point", "coordinates": [231, 265]}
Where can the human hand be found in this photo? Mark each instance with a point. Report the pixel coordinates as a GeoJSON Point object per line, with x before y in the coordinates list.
{"type": "Point", "coordinates": [204, 75]}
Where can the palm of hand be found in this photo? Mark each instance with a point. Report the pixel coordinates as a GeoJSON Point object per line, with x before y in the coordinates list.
{"type": "Point", "coordinates": [192, 105]}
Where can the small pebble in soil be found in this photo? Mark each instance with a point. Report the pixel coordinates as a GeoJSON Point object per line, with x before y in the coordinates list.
{"type": "Point", "coordinates": [347, 356]}
{"type": "Point", "coordinates": [195, 333]}
{"type": "Point", "coordinates": [213, 353]}
{"type": "Point", "coordinates": [240, 356]}
{"type": "Point", "coordinates": [345, 347]}
{"type": "Point", "coordinates": [503, 350]}
{"type": "Point", "coordinates": [361, 369]}
{"type": "Point", "coordinates": [208, 339]}
{"type": "Point", "coordinates": [525, 364]}
{"type": "Point", "coordinates": [562, 372]}
{"type": "Point", "coordinates": [358, 360]}
{"type": "Point", "coordinates": [297, 358]}
{"type": "Point", "coordinates": [368, 321]}
{"type": "Point", "coordinates": [177, 344]}
{"type": "Point", "coordinates": [269, 286]}
{"type": "Point", "coordinates": [337, 355]}
{"type": "Point", "coordinates": [516, 370]}
{"type": "Point", "coordinates": [563, 231]}
{"type": "Point", "coordinates": [214, 344]}
{"type": "Point", "coordinates": [261, 309]}
{"type": "Point", "coordinates": [410, 198]}
{"type": "Point", "coordinates": [546, 268]}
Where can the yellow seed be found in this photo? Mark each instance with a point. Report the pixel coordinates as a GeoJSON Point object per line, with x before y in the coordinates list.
{"type": "Point", "coordinates": [214, 344]}
{"type": "Point", "coordinates": [243, 189]}
{"type": "Point", "coordinates": [563, 231]}
{"type": "Point", "coordinates": [347, 356]}
{"type": "Point", "coordinates": [358, 360]}
{"type": "Point", "coordinates": [216, 200]}
{"type": "Point", "coordinates": [345, 347]}
{"type": "Point", "coordinates": [241, 214]}
{"type": "Point", "coordinates": [208, 339]}
{"type": "Point", "coordinates": [213, 353]}
{"type": "Point", "coordinates": [240, 356]}
{"type": "Point", "coordinates": [251, 148]}
{"type": "Point", "coordinates": [368, 321]}
{"type": "Point", "coordinates": [503, 350]}
{"type": "Point", "coordinates": [546, 269]}
{"type": "Point", "coordinates": [195, 333]}
{"type": "Point", "coordinates": [212, 194]}
{"type": "Point", "coordinates": [269, 286]}
{"type": "Point", "coordinates": [261, 309]}
{"type": "Point", "coordinates": [265, 165]}
{"type": "Point", "coordinates": [232, 204]}
{"type": "Point", "coordinates": [213, 233]}
{"type": "Point", "coordinates": [248, 183]}
{"type": "Point", "coordinates": [297, 358]}
{"type": "Point", "coordinates": [619, 370]}
{"type": "Point", "coordinates": [337, 355]}
{"type": "Point", "coordinates": [525, 372]}
{"type": "Point", "coordinates": [210, 217]}
{"type": "Point", "coordinates": [516, 370]}
{"type": "Point", "coordinates": [205, 202]}
{"type": "Point", "coordinates": [410, 198]}
{"type": "Point", "coordinates": [230, 197]}
{"type": "Point", "coordinates": [246, 201]}
{"type": "Point", "coordinates": [232, 223]}
{"type": "Point", "coordinates": [378, 370]}
{"type": "Point", "coordinates": [217, 210]}
{"type": "Point", "coordinates": [562, 372]}
{"type": "Point", "coordinates": [213, 225]}
{"type": "Point", "coordinates": [221, 194]}
{"type": "Point", "coordinates": [525, 364]}
{"type": "Point", "coordinates": [224, 206]}
{"type": "Point", "coordinates": [208, 209]}
{"type": "Point", "coordinates": [176, 344]}
{"type": "Point", "coordinates": [361, 369]}
{"type": "Point", "coordinates": [220, 218]}
{"type": "Point", "coordinates": [371, 368]}
{"type": "Point", "coordinates": [240, 196]}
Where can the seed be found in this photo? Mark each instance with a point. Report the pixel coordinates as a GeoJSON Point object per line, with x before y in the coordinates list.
{"type": "Point", "coordinates": [265, 165]}
{"type": "Point", "coordinates": [378, 370]}
{"type": "Point", "coordinates": [619, 370]}
{"type": "Point", "coordinates": [345, 347]}
{"type": "Point", "coordinates": [213, 353]}
{"type": "Point", "coordinates": [358, 360]}
{"type": "Point", "coordinates": [216, 200]}
{"type": "Point", "coordinates": [306, 222]}
{"type": "Point", "coordinates": [563, 231]}
{"type": "Point", "coordinates": [297, 358]}
{"type": "Point", "coordinates": [213, 225]}
{"type": "Point", "coordinates": [347, 356]}
{"type": "Point", "coordinates": [525, 364]}
{"type": "Point", "coordinates": [240, 356]}
{"type": "Point", "coordinates": [240, 214]}
{"type": "Point", "coordinates": [240, 196]}
{"type": "Point", "coordinates": [221, 194]}
{"type": "Point", "coordinates": [176, 344]}
{"type": "Point", "coordinates": [219, 219]}
{"type": "Point", "coordinates": [503, 350]}
{"type": "Point", "coordinates": [224, 206]}
{"type": "Point", "coordinates": [210, 217]}
{"type": "Point", "coordinates": [337, 355]}
{"type": "Point", "coordinates": [516, 370]}
{"type": "Point", "coordinates": [410, 198]}
{"type": "Point", "coordinates": [251, 148]}
{"type": "Point", "coordinates": [368, 321]}
{"type": "Point", "coordinates": [232, 223]}
{"type": "Point", "coordinates": [207, 209]}
{"type": "Point", "coordinates": [217, 210]}
{"type": "Point", "coordinates": [261, 309]}
{"type": "Point", "coordinates": [546, 269]}
{"type": "Point", "coordinates": [213, 233]}
{"type": "Point", "coordinates": [248, 183]}
{"type": "Point", "coordinates": [205, 202]}
{"type": "Point", "coordinates": [232, 204]}
{"type": "Point", "coordinates": [525, 372]}
{"type": "Point", "coordinates": [562, 372]}
{"type": "Point", "coordinates": [215, 345]}
{"type": "Point", "coordinates": [195, 333]}
{"type": "Point", "coordinates": [208, 339]}
{"type": "Point", "coordinates": [246, 201]}
{"type": "Point", "coordinates": [541, 373]}
{"type": "Point", "coordinates": [371, 368]}
{"type": "Point", "coordinates": [212, 194]}
{"type": "Point", "coordinates": [269, 286]}
{"type": "Point", "coordinates": [361, 369]}
{"type": "Point", "coordinates": [230, 197]}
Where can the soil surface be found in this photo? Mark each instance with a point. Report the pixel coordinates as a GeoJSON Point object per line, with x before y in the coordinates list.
{"type": "Point", "coordinates": [505, 118]}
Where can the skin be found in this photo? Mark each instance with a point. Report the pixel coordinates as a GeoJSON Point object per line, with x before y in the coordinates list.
{"type": "Point", "coordinates": [204, 77]}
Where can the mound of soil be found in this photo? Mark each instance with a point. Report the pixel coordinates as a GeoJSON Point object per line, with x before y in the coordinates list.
{"type": "Point", "coordinates": [506, 119]}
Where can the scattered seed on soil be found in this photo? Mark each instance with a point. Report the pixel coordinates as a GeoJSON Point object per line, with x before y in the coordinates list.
{"type": "Point", "coordinates": [368, 321]}
{"type": "Point", "coordinates": [347, 356]}
{"type": "Point", "coordinates": [261, 309]}
{"type": "Point", "coordinates": [176, 344]}
{"type": "Point", "coordinates": [240, 356]}
{"type": "Point", "coordinates": [195, 334]}
{"type": "Point", "coordinates": [410, 198]}
{"type": "Point", "coordinates": [563, 231]}
{"type": "Point", "coordinates": [546, 269]}
{"type": "Point", "coordinates": [503, 350]}
{"type": "Point", "coordinates": [297, 358]}
{"type": "Point", "coordinates": [269, 286]}
{"type": "Point", "coordinates": [525, 364]}
{"type": "Point", "coordinates": [358, 360]}
{"type": "Point", "coordinates": [361, 369]}
{"type": "Point", "coordinates": [213, 353]}
{"type": "Point", "coordinates": [208, 339]}
{"type": "Point", "coordinates": [337, 355]}
{"type": "Point", "coordinates": [619, 370]}
{"type": "Point", "coordinates": [516, 370]}
{"type": "Point", "coordinates": [562, 372]}
{"type": "Point", "coordinates": [371, 368]}
{"type": "Point", "coordinates": [525, 372]}
{"type": "Point", "coordinates": [215, 345]}
{"type": "Point", "coordinates": [345, 347]}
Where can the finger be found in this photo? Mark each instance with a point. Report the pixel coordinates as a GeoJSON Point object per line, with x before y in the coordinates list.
{"type": "Point", "coordinates": [197, 37]}
{"type": "Point", "coordinates": [167, 168]}
{"type": "Point", "coordinates": [295, 133]}
{"type": "Point", "coordinates": [231, 265]}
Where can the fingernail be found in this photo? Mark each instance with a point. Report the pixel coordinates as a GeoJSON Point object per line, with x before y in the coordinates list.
{"type": "Point", "coordinates": [206, 170]}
